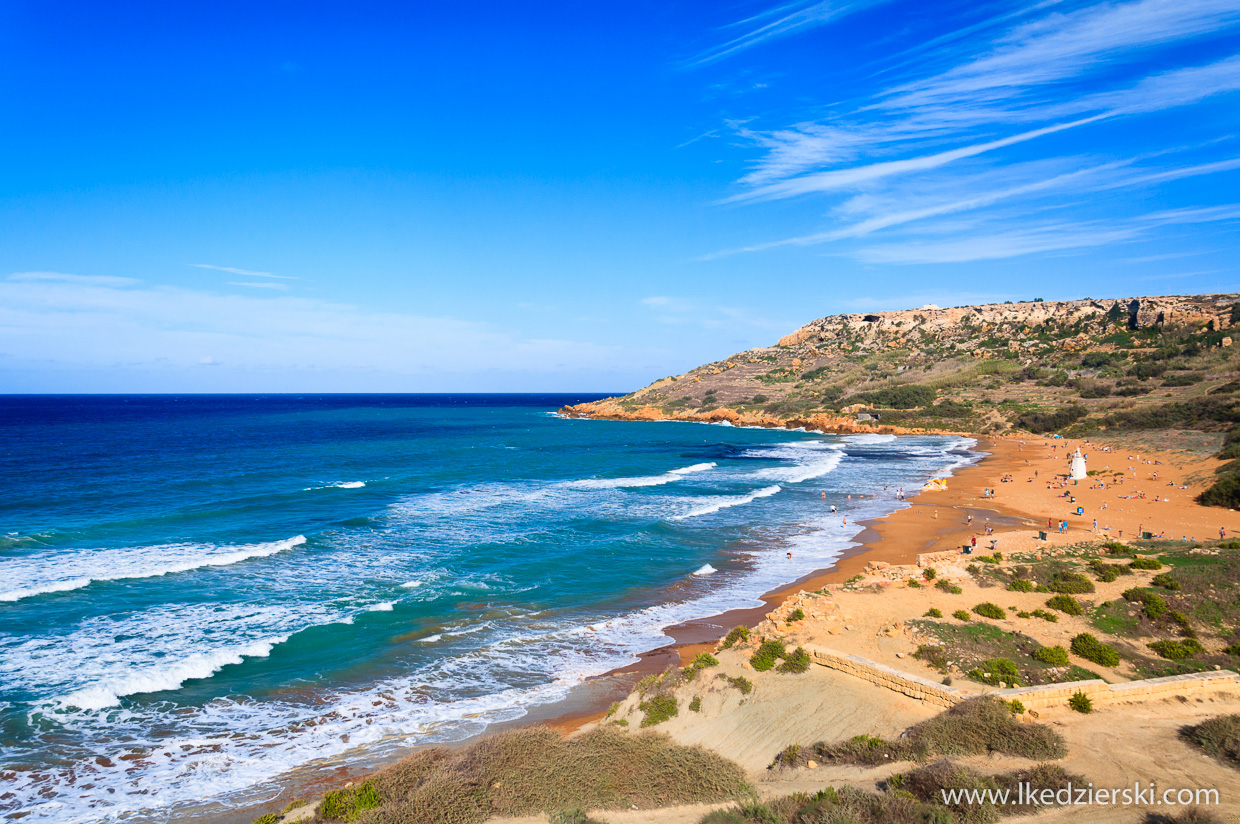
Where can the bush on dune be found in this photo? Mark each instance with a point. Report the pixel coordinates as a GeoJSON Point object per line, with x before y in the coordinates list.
{"type": "Point", "coordinates": [975, 727]}
{"type": "Point", "coordinates": [534, 770]}
{"type": "Point", "coordinates": [1217, 737]}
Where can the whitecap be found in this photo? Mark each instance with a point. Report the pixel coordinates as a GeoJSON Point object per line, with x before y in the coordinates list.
{"type": "Point", "coordinates": [61, 573]}
{"type": "Point", "coordinates": [647, 480]}
{"type": "Point", "coordinates": [705, 569]}
{"type": "Point", "coordinates": [385, 606]}
{"type": "Point", "coordinates": [728, 501]}
{"type": "Point", "coordinates": [411, 585]}
{"type": "Point", "coordinates": [108, 693]}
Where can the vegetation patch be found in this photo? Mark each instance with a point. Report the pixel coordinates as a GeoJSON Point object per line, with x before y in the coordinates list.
{"type": "Point", "coordinates": [1218, 738]}
{"type": "Point", "coordinates": [771, 650]}
{"type": "Point", "coordinates": [1081, 702]}
{"type": "Point", "coordinates": [1066, 604]}
{"type": "Point", "coordinates": [535, 770]}
{"type": "Point", "coordinates": [1052, 656]}
{"type": "Point", "coordinates": [795, 662]}
{"type": "Point", "coordinates": [988, 610]}
{"type": "Point", "coordinates": [658, 709]}
{"type": "Point", "coordinates": [975, 727]}
{"type": "Point", "coordinates": [1091, 649]}
{"type": "Point", "coordinates": [1175, 650]}
{"type": "Point", "coordinates": [736, 635]}
{"type": "Point", "coordinates": [997, 672]}
{"type": "Point", "coordinates": [348, 804]}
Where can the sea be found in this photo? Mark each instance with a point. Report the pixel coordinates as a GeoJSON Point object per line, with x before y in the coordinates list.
{"type": "Point", "coordinates": [200, 594]}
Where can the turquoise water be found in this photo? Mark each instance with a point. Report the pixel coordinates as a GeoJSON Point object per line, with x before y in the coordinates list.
{"type": "Point", "coordinates": [200, 593]}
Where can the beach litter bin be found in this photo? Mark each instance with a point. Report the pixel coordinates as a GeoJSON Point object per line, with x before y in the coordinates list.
{"type": "Point", "coordinates": [1041, 535]}
{"type": "Point", "coordinates": [1080, 510]}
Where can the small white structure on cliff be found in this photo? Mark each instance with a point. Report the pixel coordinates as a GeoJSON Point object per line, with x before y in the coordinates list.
{"type": "Point", "coordinates": [1076, 468]}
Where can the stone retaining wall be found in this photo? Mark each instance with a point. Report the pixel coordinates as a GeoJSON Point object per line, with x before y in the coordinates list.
{"type": "Point", "coordinates": [889, 677]}
{"type": "Point", "coordinates": [1192, 685]}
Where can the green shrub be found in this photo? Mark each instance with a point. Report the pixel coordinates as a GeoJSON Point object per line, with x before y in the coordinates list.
{"type": "Point", "coordinates": [764, 659]}
{"type": "Point", "coordinates": [1081, 702]}
{"type": "Point", "coordinates": [1091, 649]}
{"type": "Point", "coordinates": [1234, 649]}
{"type": "Point", "coordinates": [1046, 616]}
{"type": "Point", "coordinates": [269, 818]}
{"type": "Point", "coordinates": [1070, 583]}
{"type": "Point", "coordinates": [1151, 602]}
{"type": "Point", "coordinates": [657, 709]}
{"type": "Point", "coordinates": [1166, 582]}
{"type": "Point", "coordinates": [990, 559]}
{"type": "Point", "coordinates": [997, 671]}
{"type": "Point", "coordinates": [929, 573]}
{"type": "Point", "coordinates": [934, 612]}
{"type": "Point", "coordinates": [988, 610]}
{"type": "Point", "coordinates": [914, 583]}
{"type": "Point", "coordinates": [1055, 656]}
{"type": "Point", "coordinates": [1021, 585]}
{"type": "Point", "coordinates": [932, 655]}
{"type": "Point", "coordinates": [1066, 604]}
{"type": "Point", "coordinates": [983, 725]}
{"type": "Point", "coordinates": [1146, 563]}
{"type": "Point", "coordinates": [961, 615]}
{"type": "Point", "coordinates": [1218, 738]}
{"type": "Point", "coordinates": [796, 662]}
{"type": "Point", "coordinates": [947, 586]}
{"type": "Point", "coordinates": [1175, 650]}
{"type": "Point", "coordinates": [1016, 707]}
{"type": "Point", "coordinates": [741, 683]}
{"type": "Point", "coordinates": [696, 704]}
{"type": "Point", "coordinates": [737, 635]}
{"type": "Point", "coordinates": [797, 614]}
{"type": "Point", "coordinates": [348, 804]}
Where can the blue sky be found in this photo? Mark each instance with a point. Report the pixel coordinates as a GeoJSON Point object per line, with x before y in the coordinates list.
{"type": "Point", "coordinates": [582, 196]}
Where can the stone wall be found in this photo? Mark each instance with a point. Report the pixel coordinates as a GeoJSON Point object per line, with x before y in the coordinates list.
{"type": "Point", "coordinates": [1191, 685]}
{"type": "Point", "coordinates": [893, 679]}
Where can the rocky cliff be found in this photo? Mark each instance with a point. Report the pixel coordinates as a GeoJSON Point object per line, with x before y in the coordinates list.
{"type": "Point", "coordinates": [1036, 365]}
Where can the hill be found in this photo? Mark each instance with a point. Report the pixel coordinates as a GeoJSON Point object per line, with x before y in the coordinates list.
{"type": "Point", "coordinates": [1072, 367]}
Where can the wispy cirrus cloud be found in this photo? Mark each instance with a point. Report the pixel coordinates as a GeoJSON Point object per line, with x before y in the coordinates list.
{"type": "Point", "coordinates": [245, 272]}
{"type": "Point", "coordinates": [943, 141]}
{"type": "Point", "coordinates": [1060, 46]}
{"type": "Point", "coordinates": [781, 21]}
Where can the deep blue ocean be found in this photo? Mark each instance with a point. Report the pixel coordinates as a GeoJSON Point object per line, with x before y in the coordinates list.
{"type": "Point", "coordinates": [200, 593]}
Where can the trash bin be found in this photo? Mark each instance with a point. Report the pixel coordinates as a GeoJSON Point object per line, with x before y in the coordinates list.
{"type": "Point", "coordinates": [1080, 510]}
{"type": "Point", "coordinates": [1041, 535]}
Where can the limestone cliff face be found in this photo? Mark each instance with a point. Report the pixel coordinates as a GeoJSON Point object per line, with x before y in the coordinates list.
{"type": "Point", "coordinates": [968, 368]}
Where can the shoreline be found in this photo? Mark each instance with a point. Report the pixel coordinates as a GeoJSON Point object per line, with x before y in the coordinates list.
{"type": "Point", "coordinates": [883, 539]}
{"type": "Point", "coordinates": [589, 701]}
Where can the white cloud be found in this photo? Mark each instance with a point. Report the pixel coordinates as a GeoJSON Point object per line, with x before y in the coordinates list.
{"type": "Point", "coordinates": [1059, 46]}
{"type": "Point", "coordinates": [77, 321]}
{"type": "Point", "coordinates": [996, 246]}
{"type": "Point", "coordinates": [279, 286]}
{"type": "Point", "coordinates": [85, 280]}
{"type": "Point", "coordinates": [782, 21]}
{"type": "Point", "coordinates": [848, 178]}
{"type": "Point", "coordinates": [247, 272]}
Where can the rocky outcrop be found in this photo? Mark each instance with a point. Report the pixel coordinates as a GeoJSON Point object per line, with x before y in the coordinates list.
{"type": "Point", "coordinates": [831, 374]}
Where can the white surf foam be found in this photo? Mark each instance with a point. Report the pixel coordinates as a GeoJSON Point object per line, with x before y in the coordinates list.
{"type": "Point", "coordinates": [46, 573]}
{"type": "Point", "coordinates": [166, 677]}
{"type": "Point", "coordinates": [721, 502]}
{"type": "Point", "coordinates": [411, 585]}
{"type": "Point", "coordinates": [385, 606]}
{"type": "Point", "coordinates": [705, 569]}
{"type": "Point", "coordinates": [648, 480]}
{"type": "Point", "coordinates": [338, 485]}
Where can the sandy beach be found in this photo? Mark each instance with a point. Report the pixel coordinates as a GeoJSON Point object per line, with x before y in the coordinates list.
{"type": "Point", "coordinates": [1007, 497]}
